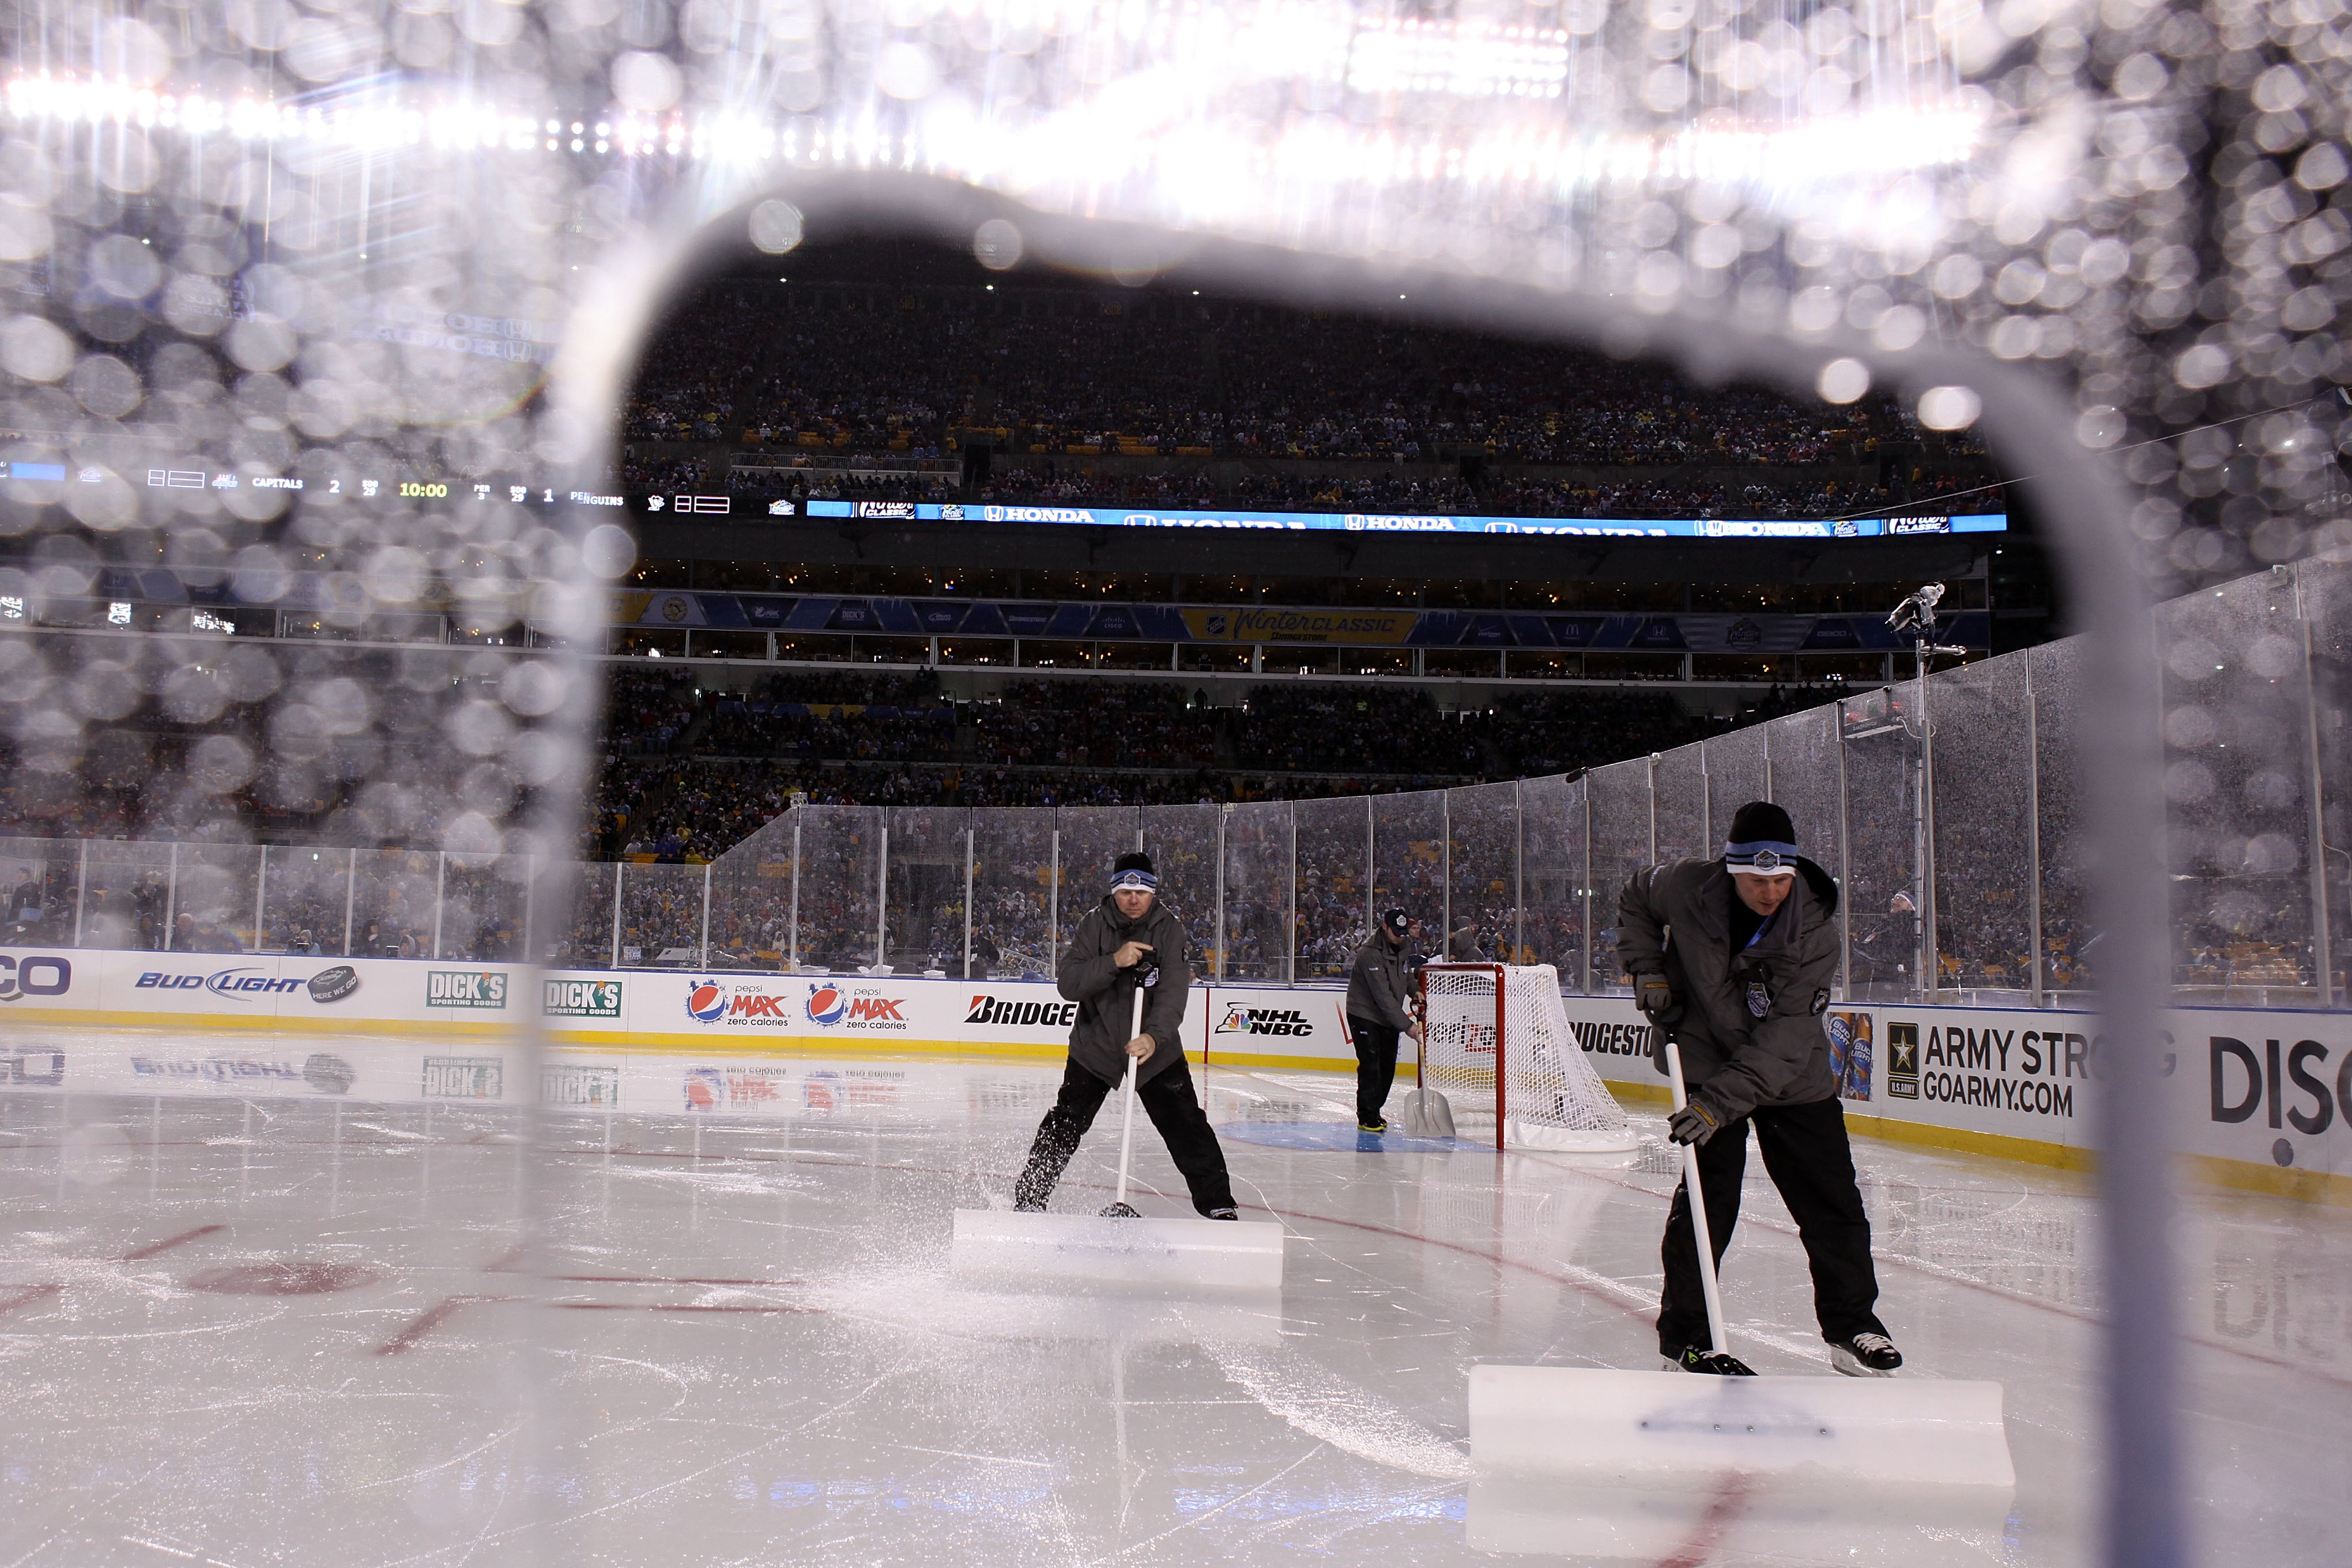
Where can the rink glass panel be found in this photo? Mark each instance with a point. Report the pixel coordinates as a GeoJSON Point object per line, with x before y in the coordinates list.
{"type": "Point", "coordinates": [1335, 867]}
{"type": "Point", "coordinates": [394, 891]}
{"type": "Point", "coordinates": [1620, 795]}
{"type": "Point", "coordinates": [1011, 893]}
{"type": "Point", "coordinates": [1408, 862]}
{"type": "Point", "coordinates": [751, 900]}
{"type": "Point", "coordinates": [924, 912]}
{"type": "Point", "coordinates": [840, 867]}
{"type": "Point", "coordinates": [214, 894]}
{"type": "Point", "coordinates": [661, 916]}
{"type": "Point", "coordinates": [1885, 847]}
{"type": "Point", "coordinates": [307, 901]}
{"type": "Point", "coordinates": [1554, 905]}
{"type": "Point", "coordinates": [1735, 775]}
{"type": "Point", "coordinates": [485, 901]}
{"type": "Point", "coordinates": [126, 889]}
{"type": "Point", "coordinates": [2238, 770]}
{"type": "Point", "coordinates": [39, 894]}
{"type": "Point", "coordinates": [2053, 675]}
{"type": "Point", "coordinates": [1802, 752]}
{"type": "Point", "coordinates": [1258, 920]}
{"type": "Point", "coordinates": [1482, 866]}
{"type": "Point", "coordinates": [1093, 838]}
{"type": "Point", "coordinates": [1183, 843]}
{"type": "Point", "coordinates": [1977, 726]}
{"type": "Point", "coordinates": [1679, 776]}
{"type": "Point", "coordinates": [587, 935]}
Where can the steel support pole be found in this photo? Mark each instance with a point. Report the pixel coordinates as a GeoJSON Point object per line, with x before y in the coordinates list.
{"type": "Point", "coordinates": [967, 900]}
{"type": "Point", "coordinates": [2323, 944]}
{"type": "Point", "coordinates": [620, 871]}
{"type": "Point", "coordinates": [1371, 869]}
{"type": "Point", "coordinates": [794, 935]}
{"type": "Point", "coordinates": [1845, 879]}
{"type": "Point", "coordinates": [1519, 872]}
{"type": "Point", "coordinates": [171, 897]}
{"type": "Point", "coordinates": [703, 954]}
{"type": "Point", "coordinates": [350, 898]}
{"type": "Point", "coordinates": [1584, 893]}
{"type": "Point", "coordinates": [1445, 875]}
{"type": "Point", "coordinates": [1290, 900]}
{"type": "Point", "coordinates": [1930, 970]}
{"type": "Point", "coordinates": [82, 889]}
{"type": "Point", "coordinates": [1054, 902]}
{"type": "Point", "coordinates": [1706, 799]}
{"type": "Point", "coordinates": [440, 900]}
{"type": "Point", "coordinates": [2036, 988]}
{"type": "Point", "coordinates": [1217, 959]}
{"type": "Point", "coordinates": [882, 901]}
{"type": "Point", "coordinates": [260, 886]}
{"type": "Point", "coordinates": [1650, 782]}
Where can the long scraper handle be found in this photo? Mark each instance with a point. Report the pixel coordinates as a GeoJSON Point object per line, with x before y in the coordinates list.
{"type": "Point", "coordinates": [1126, 1102]}
{"type": "Point", "coordinates": [1697, 1211]}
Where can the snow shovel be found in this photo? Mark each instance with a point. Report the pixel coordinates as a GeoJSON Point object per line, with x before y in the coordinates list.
{"type": "Point", "coordinates": [1427, 1114]}
{"type": "Point", "coordinates": [1120, 1247]}
{"type": "Point", "coordinates": [1648, 1429]}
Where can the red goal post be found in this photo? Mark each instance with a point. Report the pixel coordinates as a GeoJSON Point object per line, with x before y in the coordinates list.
{"type": "Point", "coordinates": [1496, 1043]}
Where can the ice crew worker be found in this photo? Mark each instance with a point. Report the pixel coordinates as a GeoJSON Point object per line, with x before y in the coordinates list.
{"type": "Point", "coordinates": [1733, 957]}
{"type": "Point", "coordinates": [1380, 1008]}
{"type": "Point", "coordinates": [1128, 939]}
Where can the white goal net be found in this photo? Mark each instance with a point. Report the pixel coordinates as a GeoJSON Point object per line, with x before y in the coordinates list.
{"type": "Point", "coordinates": [1499, 1049]}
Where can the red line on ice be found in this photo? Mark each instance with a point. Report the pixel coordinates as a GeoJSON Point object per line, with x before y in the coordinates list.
{"type": "Point", "coordinates": [428, 1320]}
{"type": "Point", "coordinates": [139, 1253]}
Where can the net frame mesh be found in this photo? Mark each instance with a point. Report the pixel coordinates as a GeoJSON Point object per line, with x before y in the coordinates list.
{"type": "Point", "coordinates": [1547, 1095]}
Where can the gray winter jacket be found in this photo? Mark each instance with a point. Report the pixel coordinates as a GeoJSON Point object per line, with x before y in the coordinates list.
{"type": "Point", "coordinates": [1381, 983]}
{"type": "Point", "coordinates": [1676, 921]}
{"type": "Point", "coordinates": [1105, 994]}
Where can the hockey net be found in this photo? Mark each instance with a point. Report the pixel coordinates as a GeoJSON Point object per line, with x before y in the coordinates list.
{"type": "Point", "coordinates": [1499, 1048]}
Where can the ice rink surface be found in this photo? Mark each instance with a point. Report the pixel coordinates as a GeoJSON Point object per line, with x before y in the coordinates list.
{"type": "Point", "coordinates": [244, 1328]}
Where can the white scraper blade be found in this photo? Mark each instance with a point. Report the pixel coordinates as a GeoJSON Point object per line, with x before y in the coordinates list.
{"type": "Point", "coordinates": [1640, 1427]}
{"type": "Point", "coordinates": [1164, 1253]}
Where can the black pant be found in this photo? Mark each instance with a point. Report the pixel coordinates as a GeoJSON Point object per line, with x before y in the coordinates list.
{"type": "Point", "coordinates": [1808, 1157]}
{"type": "Point", "coordinates": [1167, 1098]}
{"type": "Point", "coordinates": [1376, 1054]}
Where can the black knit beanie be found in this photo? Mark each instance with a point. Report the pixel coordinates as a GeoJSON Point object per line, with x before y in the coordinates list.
{"type": "Point", "coordinates": [1762, 822]}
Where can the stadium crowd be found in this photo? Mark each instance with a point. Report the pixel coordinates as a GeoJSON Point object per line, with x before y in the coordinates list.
{"type": "Point", "coordinates": [770, 372]}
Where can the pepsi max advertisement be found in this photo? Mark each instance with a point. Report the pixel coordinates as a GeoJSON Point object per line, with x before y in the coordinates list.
{"type": "Point", "coordinates": [798, 1004]}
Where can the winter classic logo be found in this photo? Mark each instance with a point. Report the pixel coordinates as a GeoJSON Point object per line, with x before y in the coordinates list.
{"type": "Point", "coordinates": [466, 988]}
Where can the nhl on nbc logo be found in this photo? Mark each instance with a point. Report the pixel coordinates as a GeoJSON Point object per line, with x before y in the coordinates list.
{"type": "Point", "coordinates": [826, 1004]}
{"type": "Point", "coordinates": [705, 1001]}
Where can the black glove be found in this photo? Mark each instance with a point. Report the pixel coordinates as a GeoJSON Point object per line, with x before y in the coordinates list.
{"type": "Point", "coordinates": [1653, 996]}
{"type": "Point", "coordinates": [1694, 1123]}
